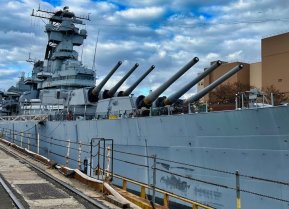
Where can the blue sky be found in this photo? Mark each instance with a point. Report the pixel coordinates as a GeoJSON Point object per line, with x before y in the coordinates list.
{"type": "Point", "coordinates": [163, 33]}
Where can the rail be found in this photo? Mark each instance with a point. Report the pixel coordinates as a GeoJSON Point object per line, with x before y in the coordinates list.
{"type": "Point", "coordinates": [24, 118]}
{"type": "Point", "coordinates": [15, 200]}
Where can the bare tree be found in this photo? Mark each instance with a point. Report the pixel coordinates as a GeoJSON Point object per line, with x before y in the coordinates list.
{"type": "Point", "coordinates": [226, 93]}
{"type": "Point", "coordinates": [278, 96]}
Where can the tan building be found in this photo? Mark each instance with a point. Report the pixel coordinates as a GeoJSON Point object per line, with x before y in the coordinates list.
{"type": "Point", "coordinates": [275, 62]}
{"type": "Point", "coordinates": [256, 75]}
{"type": "Point", "coordinates": [272, 70]}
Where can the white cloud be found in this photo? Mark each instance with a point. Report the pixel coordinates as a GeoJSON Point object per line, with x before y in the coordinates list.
{"type": "Point", "coordinates": [235, 55]}
{"type": "Point", "coordinates": [148, 13]}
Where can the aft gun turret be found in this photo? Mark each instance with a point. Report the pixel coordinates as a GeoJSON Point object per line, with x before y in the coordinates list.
{"type": "Point", "coordinates": [110, 93]}
{"type": "Point", "coordinates": [174, 97]}
{"type": "Point", "coordinates": [93, 93]}
{"type": "Point", "coordinates": [213, 85]}
{"type": "Point", "coordinates": [135, 84]}
{"type": "Point", "coordinates": [147, 101]}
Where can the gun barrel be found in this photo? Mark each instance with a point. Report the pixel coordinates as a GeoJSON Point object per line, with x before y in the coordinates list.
{"type": "Point", "coordinates": [214, 84]}
{"type": "Point", "coordinates": [148, 100]}
{"type": "Point", "coordinates": [97, 89]}
{"type": "Point", "coordinates": [174, 97]}
{"type": "Point", "coordinates": [112, 91]}
{"type": "Point", "coordinates": [94, 92]}
{"type": "Point", "coordinates": [135, 84]}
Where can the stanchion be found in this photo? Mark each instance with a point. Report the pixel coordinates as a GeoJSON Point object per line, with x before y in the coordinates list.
{"type": "Point", "coordinates": [238, 190]}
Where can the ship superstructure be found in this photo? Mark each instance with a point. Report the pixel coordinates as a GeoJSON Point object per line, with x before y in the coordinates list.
{"type": "Point", "coordinates": [61, 70]}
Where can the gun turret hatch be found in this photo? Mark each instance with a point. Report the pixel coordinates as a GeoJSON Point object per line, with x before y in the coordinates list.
{"type": "Point", "coordinates": [93, 93]}
{"type": "Point", "coordinates": [174, 97]}
{"type": "Point", "coordinates": [148, 100]}
{"type": "Point", "coordinates": [213, 85]}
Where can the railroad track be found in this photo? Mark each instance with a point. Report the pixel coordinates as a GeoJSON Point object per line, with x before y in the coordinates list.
{"type": "Point", "coordinates": [7, 197]}
{"type": "Point", "coordinates": [85, 201]}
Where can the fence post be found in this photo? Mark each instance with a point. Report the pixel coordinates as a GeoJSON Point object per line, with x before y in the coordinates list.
{"type": "Point", "coordinates": [107, 170]}
{"type": "Point", "coordinates": [37, 138]}
{"type": "Point", "coordinates": [68, 153]}
{"type": "Point", "coordinates": [28, 141]}
{"type": "Point", "coordinates": [124, 184]}
{"type": "Point", "coordinates": [166, 200]}
{"type": "Point", "coordinates": [79, 155]}
{"type": "Point", "coordinates": [142, 192]}
{"type": "Point", "coordinates": [154, 179]}
{"type": "Point", "coordinates": [272, 99]}
{"type": "Point", "coordinates": [98, 160]}
{"type": "Point", "coordinates": [21, 138]}
{"type": "Point", "coordinates": [3, 133]}
{"type": "Point", "coordinates": [238, 189]}
{"type": "Point", "coordinates": [90, 163]}
{"type": "Point", "coordinates": [13, 134]}
{"type": "Point", "coordinates": [49, 147]}
{"type": "Point", "coordinates": [195, 206]}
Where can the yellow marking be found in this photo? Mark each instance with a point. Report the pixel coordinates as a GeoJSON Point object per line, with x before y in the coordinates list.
{"type": "Point", "coordinates": [238, 203]}
{"type": "Point", "coordinates": [195, 206]}
{"type": "Point", "coordinates": [124, 184]}
{"type": "Point", "coordinates": [166, 200]}
{"type": "Point", "coordinates": [112, 117]}
{"type": "Point", "coordinates": [142, 192]}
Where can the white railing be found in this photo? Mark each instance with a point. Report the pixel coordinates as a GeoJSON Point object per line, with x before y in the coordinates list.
{"type": "Point", "coordinates": [24, 118]}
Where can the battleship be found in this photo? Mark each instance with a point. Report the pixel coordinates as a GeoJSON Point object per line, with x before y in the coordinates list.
{"type": "Point", "coordinates": [165, 142]}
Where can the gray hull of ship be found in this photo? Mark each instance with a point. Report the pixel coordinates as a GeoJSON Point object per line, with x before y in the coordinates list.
{"type": "Point", "coordinates": [253, 141]}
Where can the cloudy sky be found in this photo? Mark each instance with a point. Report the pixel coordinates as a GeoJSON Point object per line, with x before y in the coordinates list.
{"type": "Point", "coordinates": [164, 33]}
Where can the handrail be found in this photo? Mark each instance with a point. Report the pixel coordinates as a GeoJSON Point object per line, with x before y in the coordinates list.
{"type": "Point", "coordinates": [40, 117]}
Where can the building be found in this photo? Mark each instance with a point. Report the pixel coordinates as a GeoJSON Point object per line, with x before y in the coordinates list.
{"type": "Point", "coordinates": [275, 62]}
{"type": "Point", "coordinates": [272, 70]}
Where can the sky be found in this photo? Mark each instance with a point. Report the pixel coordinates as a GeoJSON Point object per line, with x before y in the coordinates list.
{"type": "Point", "coordinates": [164, 33]}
